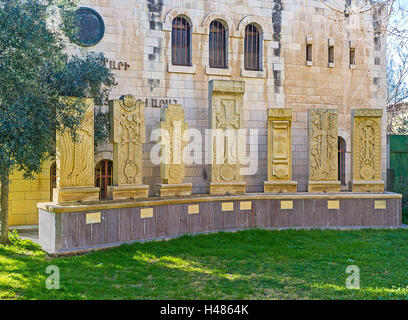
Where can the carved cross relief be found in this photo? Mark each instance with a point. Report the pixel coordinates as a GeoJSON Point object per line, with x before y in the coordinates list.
{"type": "Point", "coordinates": [280, 149]}
{"type": "Point", "coordinates": [228, 119]}
{"type": "Point", "coordinates": [367, 152]}
{"type": "Point", "coordinates": [173, 144]}
{"type": "Point", "coordinates": [128, 129]}
{"type": "Point", "coordinates": [367, 144]}
{"type": "Point", "coordinates": [323, 145]}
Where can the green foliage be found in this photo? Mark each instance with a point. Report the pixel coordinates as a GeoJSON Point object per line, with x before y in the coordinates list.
{"type": "Point", "coordinates": [101, 128]}
{"type": "Point", "coordinates": [17, 241]}
{"type": "Point", "coordinates": [401, 186]}
{"type": "Point", "coordinates": [84, 75]}
{"type": "Point", "coordinates": [35, 71]}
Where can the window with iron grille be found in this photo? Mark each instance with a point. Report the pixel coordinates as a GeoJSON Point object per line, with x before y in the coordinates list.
{"type": "Point", "coordinates": [53, 180]}
{"type": "Point", "coordinates": [103, 177]}
{"type": "Point", "coordinates": [181, 42]}
{"type": "Point", "coordinates": [252, 48]}
{"type": "Point", "coordinates": [331, 54]}
{"type": "Point", "coordinates": [309, 53]}
{"type": "Point", "coordinates": [342, 161]}
{"type": "Point", "coordinates": [352, 56]}
{"type": "Point", "coordinates": [218, 45]}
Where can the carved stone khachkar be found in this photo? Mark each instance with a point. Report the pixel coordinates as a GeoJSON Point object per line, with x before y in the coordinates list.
{"type": "Point", "coordinates": [280, 151]}
{"type": "Point", "coordinates": [172, 169]}
{"type": "Point", "coordinates": [127, 135]}
{"type": "Point", "coordinates": [323, 151]}
{"type": "Point", "coordinates": [366, 150]}
{"type": "Point", "coordinates": [75, 162]}
{"type": "Point", "coordinates": [225, 119]}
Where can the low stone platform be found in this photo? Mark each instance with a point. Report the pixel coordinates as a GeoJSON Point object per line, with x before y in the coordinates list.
{"type": "Point", "coordinates": [70, 228]}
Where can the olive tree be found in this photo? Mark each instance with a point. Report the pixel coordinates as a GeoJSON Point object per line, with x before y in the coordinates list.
{"type": "Point", "coordinates": [36, 70]}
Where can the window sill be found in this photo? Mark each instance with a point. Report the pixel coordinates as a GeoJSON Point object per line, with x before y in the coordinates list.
{"type": "Point", "coordinates": [352, 66]}
{"type": "Point", "coordinates": [331, 64]}
{"type": "Point", "coordinates": [181, 69]}
{"type": "Point", "coordinates": [309, 63]}
{"type": "Point", "coordinates": [253, 74]}
{"type": "Point", "coordinates": [218, 71]}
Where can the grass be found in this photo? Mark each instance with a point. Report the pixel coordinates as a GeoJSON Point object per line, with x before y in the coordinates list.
{"type": "Point", "coordinates": [255, 264]}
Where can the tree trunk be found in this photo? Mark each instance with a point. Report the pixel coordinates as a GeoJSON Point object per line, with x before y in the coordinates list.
{"type": "Point", "coordinates": [5, 182]}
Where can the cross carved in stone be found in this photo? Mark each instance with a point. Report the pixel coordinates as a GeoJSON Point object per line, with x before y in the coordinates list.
{"type": "Point", "coordinates": [228, 119]}
{"type": "Point", "coordinates": [324, 133]}
{"type": "Point", "coordinates": [131, 137]}
{"type": "Point", "coordinates": [367, 140]}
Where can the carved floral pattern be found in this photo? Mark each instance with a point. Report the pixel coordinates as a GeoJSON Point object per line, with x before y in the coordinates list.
{"type": "Point", "coordinates": [75, 160]}
{"type": "Point", "coordinates": [367, 145]}
{"type": "Point", "coordinates": [128, 136]}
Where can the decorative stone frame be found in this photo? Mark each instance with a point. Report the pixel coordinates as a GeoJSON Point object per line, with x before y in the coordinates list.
{"type": "Point", "coordinates": [103, 155]}
{"type": "Point", "coordinates": [229, 25]}
{"type": "Point", "coordinates": [168, 27]}
{"type": "Point", "coordinates": [265, 35]}
{"type": "Point", "coordinates": [234, 31]}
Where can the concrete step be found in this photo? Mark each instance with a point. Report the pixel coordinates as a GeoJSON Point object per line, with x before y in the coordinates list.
{"type": "Point", "coordinates": [22, 230]}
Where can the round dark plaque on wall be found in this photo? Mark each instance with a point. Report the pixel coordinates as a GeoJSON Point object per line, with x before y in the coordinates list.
{"type": "Point", "coordinates": [91, 27]}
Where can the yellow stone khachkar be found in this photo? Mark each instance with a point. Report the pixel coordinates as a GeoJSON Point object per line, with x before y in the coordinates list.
{"type": "Point", "coordinates": [127, 135]}
{"type": "Point", "coordinates": [75, 162]}
{"type": "Point", "coordinates": [173, 142]}
{"type": "Point", "coordinates": [323, 151]}
{"type": "Point", "coordinates": [366, 150]}
{"type": "Point", "coordinates": [226, 119]}
{"type": "Point", "coordinates": [280, 151]}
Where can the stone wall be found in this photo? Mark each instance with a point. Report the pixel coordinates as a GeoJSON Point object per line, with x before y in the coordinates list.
{"type": "Point", "coordinates": [25, 194]}
{"type": "Point", "coordinates": [139, 33]}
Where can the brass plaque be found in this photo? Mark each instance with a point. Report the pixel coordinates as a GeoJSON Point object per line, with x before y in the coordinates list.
{"type": "Point", "coordinates": [245, 205]}
{"type": "Point", "coordinates": [227, 206]}
{"type": "Point", "coordinates": [287, 205]}
{"type": "Point", "coordinates": [380, 204]}
{"type": "Point", "coordinates": [333, 204]}
{"type": "Point", "coordinates": [146, 213]}
{"type": "Point", "coordinates": [92, 218]}
{"type": "Point", "coordinates": [194, 209]}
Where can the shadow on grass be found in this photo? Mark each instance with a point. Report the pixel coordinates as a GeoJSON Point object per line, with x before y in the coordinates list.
{"type": "Point", "coordinates": [254, 264]}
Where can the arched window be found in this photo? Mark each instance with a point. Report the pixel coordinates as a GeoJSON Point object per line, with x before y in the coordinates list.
{"type": "Point", "coordinates": [103, 177]}
{"type": "Point", "coordinates": [252, 48]}
{"type": "Point", "coordinates": [181, 42]}
{"type": "Point", "coordinates": [342, 161]}
{"type": "Point", "coordinates": [53, 179]}
{"type": "Point", "coordinates": [218, 45]}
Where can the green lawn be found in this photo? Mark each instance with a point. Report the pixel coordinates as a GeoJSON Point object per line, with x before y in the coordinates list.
{"type": "Point", "coordinates": [253, 264]}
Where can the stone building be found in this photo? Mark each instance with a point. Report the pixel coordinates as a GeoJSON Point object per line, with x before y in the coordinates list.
{"type": "Point", "coordinates": [289, 53]}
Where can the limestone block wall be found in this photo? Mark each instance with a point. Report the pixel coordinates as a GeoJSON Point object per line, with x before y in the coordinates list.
{"type": "Point", "coordinates": [25, 194]}
{"type": "Point", "coordinates": [320, 86]}
{"type": "Point", "coordinates": [139, 32]}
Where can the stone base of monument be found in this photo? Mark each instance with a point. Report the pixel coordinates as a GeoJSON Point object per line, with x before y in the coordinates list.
{"type": "Point", "coordinates": [76, 194]}
{"type": "Point", "coordinates": [227, 188]}
{"type": "Point", "coordinates": [280, 186]}
{"type": "Point", "coordinates": [77, 227]}
{"type": "Point", "coordinates": [172, 190]}
{"type": "Point", "coordinates": [128, 192]}
{"type": "Point", "coordinates": [324, 186]}
{"type": "Point", "coordinates": [367, 186]}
